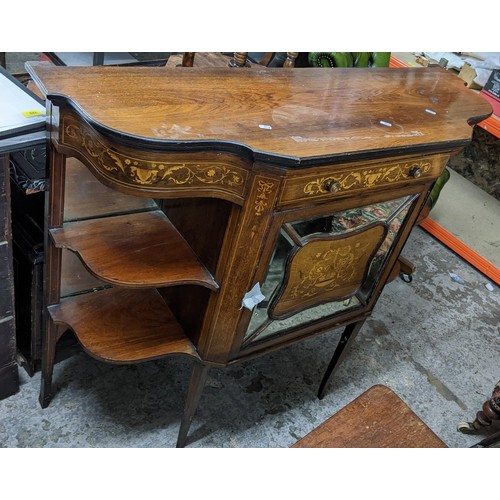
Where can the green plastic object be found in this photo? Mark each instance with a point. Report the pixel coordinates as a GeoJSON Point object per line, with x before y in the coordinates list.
{"type": "Point", "coordinates": [330, 59]}
{"type": "Point", "coordinates": [380, 59]}
{"type": "Point", "coordinates": [437, 187]}
{"type": "Point", "coordinates": [349, 59]}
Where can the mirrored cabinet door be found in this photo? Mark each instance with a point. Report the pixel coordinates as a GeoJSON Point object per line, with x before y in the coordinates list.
{"type": "Point", "coordinates": [324, 266]}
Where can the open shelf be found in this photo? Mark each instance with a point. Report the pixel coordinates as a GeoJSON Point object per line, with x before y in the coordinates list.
{"type": "Point", "coordinates": [140, 250]}
{"type": "Point", "coordinates": [123, 325]}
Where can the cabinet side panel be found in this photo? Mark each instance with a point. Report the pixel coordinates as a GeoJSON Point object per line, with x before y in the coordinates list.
{"type": "Point", "coordinates": [217, 337]}
{"type": "Point", "coordinates": [9, 382]}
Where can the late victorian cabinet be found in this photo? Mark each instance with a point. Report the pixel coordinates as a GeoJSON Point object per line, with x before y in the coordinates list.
{"type": "Point", "coordinates": [274, 203]}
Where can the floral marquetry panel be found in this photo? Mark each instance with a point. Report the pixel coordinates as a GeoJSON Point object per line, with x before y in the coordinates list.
{"type": "Point", "coordinates": [324, 270]}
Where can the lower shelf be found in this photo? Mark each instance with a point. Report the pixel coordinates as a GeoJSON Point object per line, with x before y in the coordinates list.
{"type": "Point", "coordinates": [123, 325]}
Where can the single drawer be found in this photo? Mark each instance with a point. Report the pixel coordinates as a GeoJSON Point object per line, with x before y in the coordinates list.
{"type": "Point", "coordinates": [153, 173]}
{"type": "Point", "coordinates": [335, 181]}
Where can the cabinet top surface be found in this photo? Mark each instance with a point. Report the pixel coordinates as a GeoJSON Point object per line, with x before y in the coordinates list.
{"type": "Point", "coordinates": [297, 113]}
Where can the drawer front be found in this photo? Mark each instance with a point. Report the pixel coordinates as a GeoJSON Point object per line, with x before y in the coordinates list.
{"type": "Point", "coordinates": [153, 173]}
{"type": "Point", "coordinates": [328, 182]}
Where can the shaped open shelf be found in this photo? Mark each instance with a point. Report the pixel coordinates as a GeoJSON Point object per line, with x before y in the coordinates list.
{"type": "Point", "coordinates": [123, 325]}
{"type": "Point", "coordinates": [136, 250]}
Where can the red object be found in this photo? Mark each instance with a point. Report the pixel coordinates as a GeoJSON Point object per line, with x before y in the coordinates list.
{"type": "Point", "coordinates": [493, 100]}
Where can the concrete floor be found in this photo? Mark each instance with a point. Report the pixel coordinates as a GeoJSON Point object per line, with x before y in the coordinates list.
{"type": "Point", "coordinates": [433, 341]}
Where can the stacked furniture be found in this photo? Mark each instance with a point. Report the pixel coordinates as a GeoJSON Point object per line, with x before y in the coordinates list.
{"type": "Point", "coordinates": [22, 125]}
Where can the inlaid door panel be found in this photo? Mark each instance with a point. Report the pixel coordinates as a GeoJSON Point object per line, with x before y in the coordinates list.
{"type": "Point", "coordinates": [324, 269]}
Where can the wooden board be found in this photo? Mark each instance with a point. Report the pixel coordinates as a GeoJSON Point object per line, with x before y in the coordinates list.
{"type": "Point", "coordinates": [9, 382]}
{"type": "Point", "coordinates": [376, 419]}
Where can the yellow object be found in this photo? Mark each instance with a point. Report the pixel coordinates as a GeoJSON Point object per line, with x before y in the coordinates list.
{"type": "Point", "coordinates": [33, 112]}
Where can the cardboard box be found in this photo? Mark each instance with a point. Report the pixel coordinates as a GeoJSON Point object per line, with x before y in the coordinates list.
{"type": "Point", "coordinates": [467, 74]}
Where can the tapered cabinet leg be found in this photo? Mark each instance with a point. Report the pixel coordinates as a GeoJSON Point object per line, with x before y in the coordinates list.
{"type": "Point", "coordinates": [195, 389]}
{"type": "Point", "coordinates": [347, 337]}
{"type": "Point", "coordinates": [51, 334]}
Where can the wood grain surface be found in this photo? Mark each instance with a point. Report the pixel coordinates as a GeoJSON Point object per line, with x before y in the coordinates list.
{"type": "Point", "coordinates": [142, 249]}
{"type": "Point", "coordinates": [144, 328]}
{"type": "Point", "coordinates": [326, 269]}
{"type": "Point", "coordinates": [295, 113]}
{"type": "Point", "coordinates": [378, 418]}
{"type": "Point", "coordinates": [9, 381]}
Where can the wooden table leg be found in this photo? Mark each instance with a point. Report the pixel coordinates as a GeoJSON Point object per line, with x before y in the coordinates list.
{"type": "Point", "coordinates": [485, 417]}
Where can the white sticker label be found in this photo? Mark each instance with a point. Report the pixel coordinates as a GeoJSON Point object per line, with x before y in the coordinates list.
{"type": "Point", "coordinates": [253, 297]}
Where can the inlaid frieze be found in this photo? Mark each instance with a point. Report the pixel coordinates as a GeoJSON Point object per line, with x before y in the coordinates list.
{"type": "Point", "coordinates": [367, 178]}
{"type": "Point", "coordinates": [337, 181]}
{"type": "Point", "coordinates": [158, 171]}
{"type": "Point", "coordinates": [264, 190]}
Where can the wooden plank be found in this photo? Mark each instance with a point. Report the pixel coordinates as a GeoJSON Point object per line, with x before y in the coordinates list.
{"type": "Point", "coordinates": [6, 282]}
{"type": "Point", "coordinates": [378, 418]}
{"type": "Point", "coordinates": [9, 382]}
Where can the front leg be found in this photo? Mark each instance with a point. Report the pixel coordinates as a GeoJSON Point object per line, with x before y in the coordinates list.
{"type": "Point", "coordinates": [196, 384]}
{"type": "Point", "coordinates": [52, 334]}
{"type": "Point", "coordinates": [346, 339]}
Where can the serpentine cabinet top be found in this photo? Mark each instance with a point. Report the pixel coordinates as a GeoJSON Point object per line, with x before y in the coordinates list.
{"type": "Point", "coordinates": [297, 116]}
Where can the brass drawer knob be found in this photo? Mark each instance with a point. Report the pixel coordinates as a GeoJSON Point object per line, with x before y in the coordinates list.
{"type": "Point", "coordinates": [415, 172]}
{"type": "Point", "coordinates": [331, 186]}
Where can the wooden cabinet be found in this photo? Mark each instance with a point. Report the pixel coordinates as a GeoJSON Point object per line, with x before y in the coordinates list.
{"type": "Point", "coordinates": [291, 192]}
{"type": "Point", "coordinates": [9, 382]}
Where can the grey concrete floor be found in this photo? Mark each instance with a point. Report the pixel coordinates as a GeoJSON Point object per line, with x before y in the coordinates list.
{"type": "Point", "coordinates": [434, 341]}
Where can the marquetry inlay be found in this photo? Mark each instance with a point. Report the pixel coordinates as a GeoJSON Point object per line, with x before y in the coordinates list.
{"type": "Point", "coordinates": [264, 189]}
{"type": "Point", "coordinates": [157, 172]}
{"type": "Point", "coordinates": [337, 181]}
{"type": "Point", "coordinates": [325, 270]}
{"type": "Point", "coordinates": [366, 178]}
